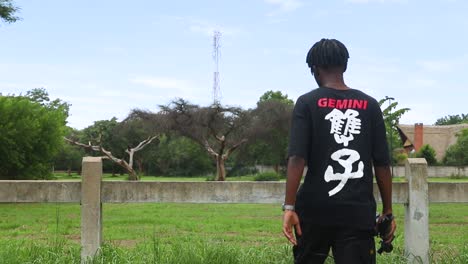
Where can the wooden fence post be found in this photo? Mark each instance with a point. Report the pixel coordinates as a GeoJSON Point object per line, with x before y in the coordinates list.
{"type": "Point", "coordinates": [91, 207]}
{"type": "Point", "coordinates": [417, 212]}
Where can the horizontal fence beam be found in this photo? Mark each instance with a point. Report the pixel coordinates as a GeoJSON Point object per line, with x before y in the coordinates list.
{"type": "Point", "coordinates": [40, 192]}
{"type": "Point", "coordinates": [194, 192]}
{"type": "Point", "coordinates": [446, 192]}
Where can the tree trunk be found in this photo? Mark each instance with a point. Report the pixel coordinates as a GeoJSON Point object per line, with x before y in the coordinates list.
{"type": "Point", "coordinates": [132, 176]}
{"type": "Point", "coordinates": [220, 169]}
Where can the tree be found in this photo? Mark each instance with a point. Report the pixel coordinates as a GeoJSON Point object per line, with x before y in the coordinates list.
{"type": "Point", "coordinates": [218, 129]}
{"type": "Point", "coordinates": [452, 120]}
{"type": "Point", "coordinates": [271, 122]}
{"type": "Point", "coordinates": [30, 135]}
{"type": "Point", "coordinates": [427, 152]}
{"type": "Point", "coordinates": [392, 117]}
{"type": "Point", "coordinates": [275, 96]}
{"type": "Point", "coordinates": [128, 166]}
{"type": "Point", "coordinates": [457, 154]}
{"type": "Point", "coordinates": [68, 157]}
{"type": "Point", "coordinates": [180, 156]}
{"type": "Point", "coordinates": [7, 11]}
{"type": "Point", "coordinates": [41, 96]}
{"type": "Point", "coordinates": [104, 137]}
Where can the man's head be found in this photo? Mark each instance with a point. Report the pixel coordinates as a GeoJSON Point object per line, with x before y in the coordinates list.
{"type": "Point", "coordinates": [328, 56]}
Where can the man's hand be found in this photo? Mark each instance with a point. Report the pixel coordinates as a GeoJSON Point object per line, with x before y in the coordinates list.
{"type": "Point", "coordinates": [290, 220]}
{"type": "Point", "coordinates": [390, 235]}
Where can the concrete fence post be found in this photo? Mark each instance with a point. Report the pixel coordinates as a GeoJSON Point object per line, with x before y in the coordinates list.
{"type": "Point", "coordinates": [417, 212]}
{"type": "Point", "coordinates": [91, 207]}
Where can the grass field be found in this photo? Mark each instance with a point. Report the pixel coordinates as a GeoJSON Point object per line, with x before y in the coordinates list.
{"type": "Point", "coordinates": [109, 177]}
{"type": "Point", "coordinates": [190, 233]}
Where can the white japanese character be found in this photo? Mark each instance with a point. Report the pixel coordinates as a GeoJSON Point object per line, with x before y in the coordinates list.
{"type": "Point", "coordinates": [349, 120]}
{"type": "Point", "coordinates": [352, 156]}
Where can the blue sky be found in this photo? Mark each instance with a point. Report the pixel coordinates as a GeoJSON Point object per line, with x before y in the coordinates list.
{"type": "Point", "coordinates": [108, 57]}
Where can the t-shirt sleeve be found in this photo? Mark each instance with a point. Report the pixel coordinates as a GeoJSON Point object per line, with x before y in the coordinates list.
{"type": "Point", "coordinates": [299, 137]}
{"type": "Point", "coordinates": [380, 152]}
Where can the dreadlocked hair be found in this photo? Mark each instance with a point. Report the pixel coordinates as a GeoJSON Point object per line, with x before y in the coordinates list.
{"type": "Point", "coordinates": [328, 53]}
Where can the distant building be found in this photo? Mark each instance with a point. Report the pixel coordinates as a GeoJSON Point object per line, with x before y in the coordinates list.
{"type": "Point", "coordinates": [439, 137]}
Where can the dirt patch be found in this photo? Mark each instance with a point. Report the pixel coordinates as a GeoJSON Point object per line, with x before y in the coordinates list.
{"type": "Point", "coordinates": [72, 216]}
{"type": "Point", "coordinates": [126, 243]}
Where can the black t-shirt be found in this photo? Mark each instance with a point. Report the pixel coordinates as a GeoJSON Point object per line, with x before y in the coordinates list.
{"type": "Point", "coordinates": [340, 134]}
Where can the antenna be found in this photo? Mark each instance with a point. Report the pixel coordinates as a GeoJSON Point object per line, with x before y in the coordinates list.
{"type": "Point", "coordinates": [216, 90]}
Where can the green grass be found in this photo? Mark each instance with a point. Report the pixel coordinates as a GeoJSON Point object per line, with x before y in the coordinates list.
{"type": "Point", "coordinates": [190, 233]}
{"type": "Point", "coordinates": [109, 177]}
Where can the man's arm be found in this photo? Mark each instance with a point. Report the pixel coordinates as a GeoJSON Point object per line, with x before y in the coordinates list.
{"type": "Point", "coordinates": [298, 153]}
{"type": "Point", "coordinates": [384, 181]}
{"type": "Point", "coordinates": [296, 166]}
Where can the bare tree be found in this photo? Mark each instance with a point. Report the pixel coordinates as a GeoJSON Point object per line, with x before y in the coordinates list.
{"type": "Point", "coordinates": [128, 166]}
{"type": "Point", "coordinates": [218, 129]}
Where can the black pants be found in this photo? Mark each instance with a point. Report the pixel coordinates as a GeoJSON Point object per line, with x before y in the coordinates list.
{"type": "Point", "coordinates": [348, 245]}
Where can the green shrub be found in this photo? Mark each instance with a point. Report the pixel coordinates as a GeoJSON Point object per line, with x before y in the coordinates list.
{"type": "Point", "coordinates": [211, 178]}
{"type": "Point", "coordinates": [267, 176]}
{"type": "Point", "coordinates": [457, 154]}
{"type": "Point", "coordinates": [401, 158]}
{"type": "Point", "coordinates": [427, 152]}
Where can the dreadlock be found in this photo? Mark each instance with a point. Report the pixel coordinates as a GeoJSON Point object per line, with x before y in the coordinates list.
{"type": "Point", "coordinates": [328, 53]}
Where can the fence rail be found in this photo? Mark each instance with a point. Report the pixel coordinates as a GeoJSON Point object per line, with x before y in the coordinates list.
{"type": "Point", "coordinates": [195, 192]}
{"type": "Point", "coordinates": [91, 192]}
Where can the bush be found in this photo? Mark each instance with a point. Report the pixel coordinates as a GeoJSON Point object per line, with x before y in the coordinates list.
{"type": "Point", "coordinates": [30, 135]}
{"type": "Point", "coordinates": [267, 176]}
{"type": "Point", "coordinates": [427, 152]}
{"type": "Point", "coordinates": [457, 154]}
{"type": "Point", "coordinates": [401, 158]}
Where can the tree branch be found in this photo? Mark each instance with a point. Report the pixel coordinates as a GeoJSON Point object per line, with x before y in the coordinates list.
{"type": "Point", "coordinates": [107, 154]}
{"type": "Point", "coordinates": [210, 150]}
{"type": "Point", "coordinates": [233, 148]}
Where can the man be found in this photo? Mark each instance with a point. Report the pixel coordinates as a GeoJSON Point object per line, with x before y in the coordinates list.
{"type": "Point", "coordinates": [339, 133]}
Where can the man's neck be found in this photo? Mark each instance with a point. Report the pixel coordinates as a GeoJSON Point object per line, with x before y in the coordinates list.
{"type": "Point", "coordinates": [334, 80]}
{"type": "Point", "coordinates": [337, 85]}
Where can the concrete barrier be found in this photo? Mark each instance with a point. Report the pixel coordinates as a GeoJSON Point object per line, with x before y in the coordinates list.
{"type": "Point", "coordinates": [194, 192]}
{"type": "Point", "coordinates": [435, 171]}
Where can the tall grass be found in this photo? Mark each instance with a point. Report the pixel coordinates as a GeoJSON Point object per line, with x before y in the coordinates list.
{"type": "Point", "coordinates": [187, 233]}
{"type": "Point", "coordinates": [30, 252]}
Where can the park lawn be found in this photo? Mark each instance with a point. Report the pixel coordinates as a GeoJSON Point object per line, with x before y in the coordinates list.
{"type": "Point", "coordinates": [109, 177]}
{"type": "Point", "coordinates": [243, 228]}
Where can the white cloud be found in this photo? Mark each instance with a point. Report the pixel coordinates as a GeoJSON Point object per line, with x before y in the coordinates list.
{"type": "Point", "coordinates": [283, 6]}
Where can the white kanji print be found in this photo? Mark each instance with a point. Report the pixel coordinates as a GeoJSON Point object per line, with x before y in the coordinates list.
{"type": "Point", "coordinates": [347, 163]}
{"type": "Point", "coordinates": [348, 120]}
{"type": "Point", "coordinates": [343, 127]}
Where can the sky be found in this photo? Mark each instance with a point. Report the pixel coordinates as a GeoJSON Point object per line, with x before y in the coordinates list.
{"type": "Point", "coordinates": [107, 57]}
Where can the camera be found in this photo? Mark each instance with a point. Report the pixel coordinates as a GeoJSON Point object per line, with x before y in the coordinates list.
{"type": "Point", "coordinates": [383, 228]}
